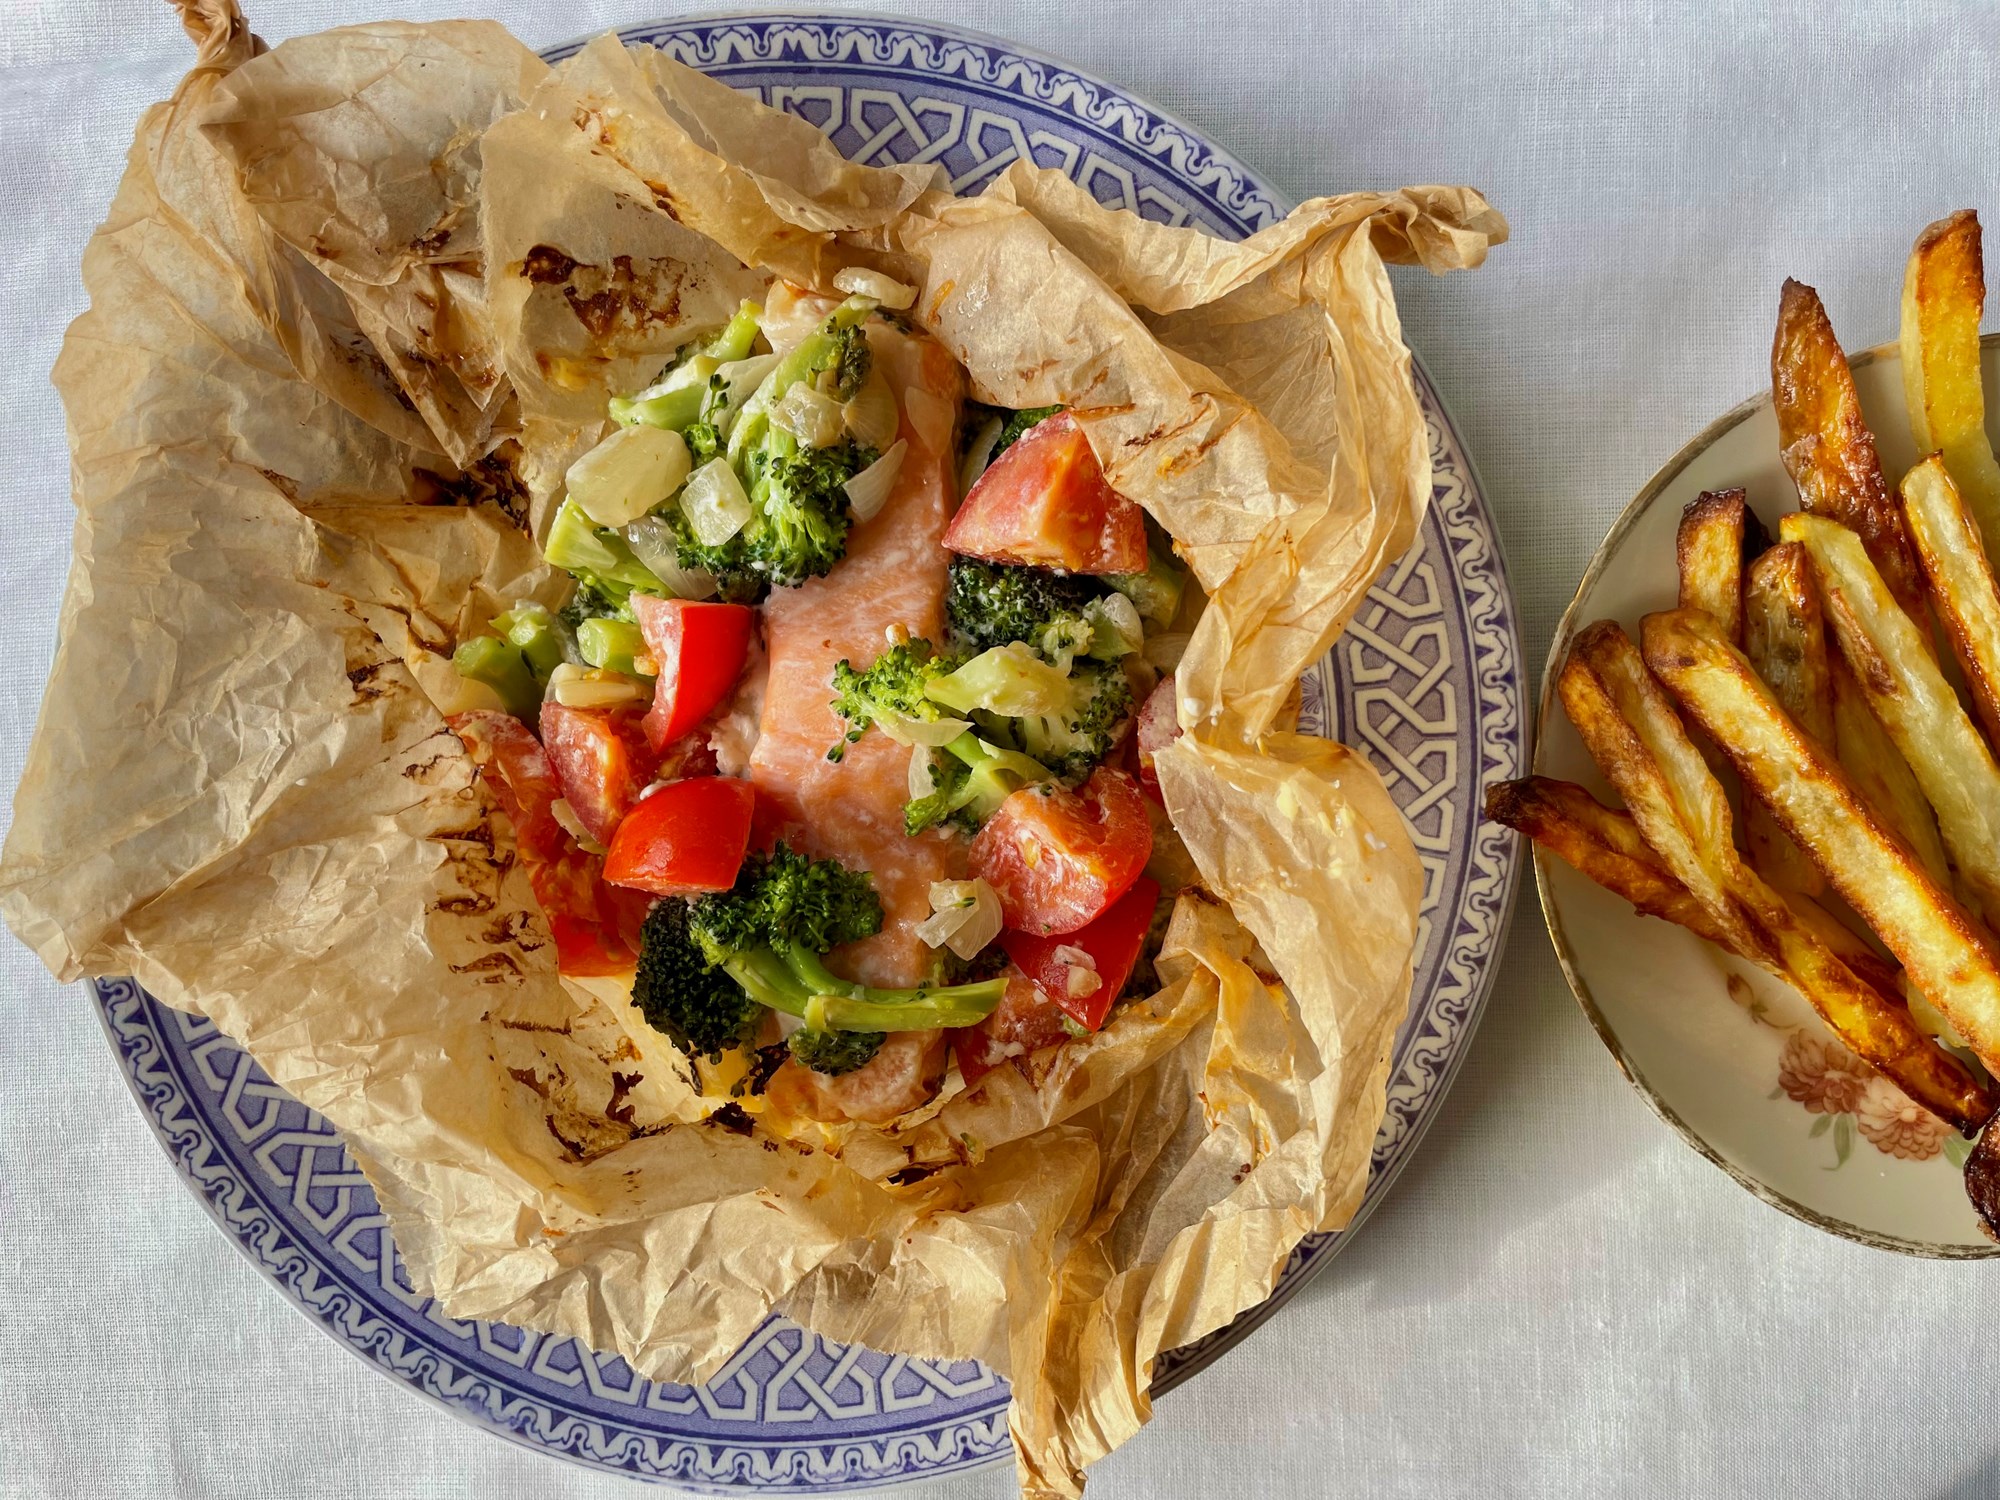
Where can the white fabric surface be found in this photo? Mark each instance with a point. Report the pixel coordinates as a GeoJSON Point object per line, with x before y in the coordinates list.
{"type": "Point", "coordinates": [1558, 1299]}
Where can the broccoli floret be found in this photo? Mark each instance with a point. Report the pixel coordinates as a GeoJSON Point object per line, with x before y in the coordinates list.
{"type": "Point", "coordinates": [973, 778]}
{"type": "Point", "coordinates": [835, 1051]}
{"type": "Point", "coordinates": [990, 604]}
{"type": "Point", "coordinates": [769, 934]}
{"type": "Point", "coordinates": [801, 514]}
{"type": "Point", "coordinates": [699, 1007]}
{"type": "Point", "coordinates": [1074, 738]}
{"type": "Point", "coordinates": [891, 688]}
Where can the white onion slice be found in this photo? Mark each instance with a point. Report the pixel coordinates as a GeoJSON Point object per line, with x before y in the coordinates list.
{"type": "Point", "coordinates": [627, 474]}
{"type": "Point", "coordinates": [572, 825]}
{"type": "Point", "coordinates": [809, 415]}
{"type": "Point", "coordinates": [921, 731]}
{"type": "Point", "coordinates": [591, 687]}
{"type": "Point", "coordinates": [653, 542]}
{"type": "Point", "coordinates": [858, 281]}
{"type": "Point", "coordinates": [965, 916]}
{"type": "Point", "coordinates": [1165, 651]}
{"type": "Point", "coordinates": [871, 414]}
{"type": "Point", "coordinates": [740, 379]}
{"type": "Point", "coordinates": [923, 779]}
{"type": "Point", "coordinates": [1120, 616]}
{"type": "Point", "coordinates": [869, 490]}
{"type": "Point", "coordinates": [714, 503]}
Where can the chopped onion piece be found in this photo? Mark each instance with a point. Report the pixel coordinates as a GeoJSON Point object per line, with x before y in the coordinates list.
{"type": "Point", "coordinates": [714, 503]}
{"type": "Point", "coordinates": [965, 916]}
{"type": "Point", "coordinates": [871, 414]}
{"type": "Point", "coordinates": [1080, 976]}
{"type": "Point", "coordinates": [1165, 651]}
{"type": "Point", "coordinates": [809, 415]}
{"type": "Point", "coordinates": [978, 453]}
{"type": "Point", "coordinates": [868, 491]}
{"type": "Point", "coordinates": [572, 825]}
{"type": "Point", "coordinates": [653, 542]}
{"type": "Point", "coordinates": [592, 687]}
{"type": "Point", "coordinates": [627, 474]}
{"type": "Point", "coordinates": [858, 281]}
{"type": "Point", "coordinates": [921, 731]}
{"type": "Point", "coordinates": [1120, 631]}
{"type": "Point", "coordinates": [740, 379]}
{"type": "Point", "coordinates": [923, 779]}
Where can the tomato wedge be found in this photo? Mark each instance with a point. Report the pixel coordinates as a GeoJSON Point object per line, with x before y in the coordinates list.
{"type": "Point", "coordinates": [1057, 858]}
{"type": "Point", "coordinates": [1045, 502]}
{"type": "Point", "coordinates": [591, 923]}
{"type": "Point", "coordinates": [1025, 1021]}
{"type": "Point", "coordinates": [699, 648]}
{"type": "Point", "coordinates": [602, 762]}
{"type": "Point", "coordinates": [1113, 942]}
{"type": "Point", "coordinates": [686, 837]}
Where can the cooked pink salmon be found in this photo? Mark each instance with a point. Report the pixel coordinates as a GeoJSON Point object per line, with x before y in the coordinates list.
{"type": "Point", "coordinates": [890, 586]}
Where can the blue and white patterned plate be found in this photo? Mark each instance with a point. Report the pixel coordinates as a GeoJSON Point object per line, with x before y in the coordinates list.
{"type": "Point", "coordinates": [1427, 681]}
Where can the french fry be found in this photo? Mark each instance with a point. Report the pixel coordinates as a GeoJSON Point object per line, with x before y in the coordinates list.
{"type": "Point", "coordinates": [1937, 941]}
{"type": "Point", "coordinates": [1828, 449]}
{"type": "Point", "coordinates": [1785, 640]}
{"type": "Point", "coordinates": [1637, 739]}
{"type": "Point", "coordinates": [1879, 772]}
{"type": "Point", "coordinates": [1963, 594]}
{"type": "Point", "coordinates": [1606, 846]}
{"type": "Point", "coordinates": [1944, 297]}
{"type": "Point", "coordinates": [1709, 550]}
{"type": "Point", "coordinates": [1912, 701]}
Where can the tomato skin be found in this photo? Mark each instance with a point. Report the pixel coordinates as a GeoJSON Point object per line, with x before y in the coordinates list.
{"type": "Point", "coordinates": [700, 648]}
{"type": "Point", "coordinates": [1113, 941]}
{"type": "Point", "coordinates": [1045, 502]}
{"type": "Point", "coordinates": [687, 837]}
{"type": "Point", "coordinates": [586, 917]}
{"type": "Point", "coordinates": [601, 759]}
{"type": "Point", "coordinates": [1025, 1021]}
{"type": "Point", "coordinates": [1057, 858]}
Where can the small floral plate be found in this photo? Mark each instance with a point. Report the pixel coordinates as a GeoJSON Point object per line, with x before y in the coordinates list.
{"type": "Point", "coordinates": [1735, 1060]}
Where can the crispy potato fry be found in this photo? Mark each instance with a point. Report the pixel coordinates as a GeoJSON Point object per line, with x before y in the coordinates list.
{"type": "Point", "coordinates": [1709, 550]}
{"type": "Point", "coordinates": [1912, 701]}
{"type": "Point", "coordinates": [1939, 943]}
{"type": "Point", "coordinates": [1879, 772]}
{"type": "Point", "coordinates": [1828, 449]}
{"type": "Point", "coordinates": [1963, 594]}
{"type": "Point", "coordinates": [1635, 735]}
{"type": "Point", "coordinates": [1785, 640]}
{"type": "Point", "coordinates": [1944, 297]}
{"type": "Point", "coordinates": [1606, 845]}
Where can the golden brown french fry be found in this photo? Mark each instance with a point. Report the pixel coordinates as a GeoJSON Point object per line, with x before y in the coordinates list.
{"type": "Point", "coordinates": [1944, 297]}
{"type": "Point", "coordinates": [1709, 550]}
{"type": "Point", "coordinates": [1879, 772]}
{"type": "Point", "coordinates": [1963, 593]}
{"type": "Point", "coordinates": [1606, 845]}
{"type": "Point", "coordinates": [1637, 739]}
{"type": "Point", "coordinates": [1911, 699]}
{"type": "Point", "coordinates": [1937, 940]}
{"type": "Point", "coordinates": [1828, 449]}
{"type": "Point", "coordinates": [1786, 642]}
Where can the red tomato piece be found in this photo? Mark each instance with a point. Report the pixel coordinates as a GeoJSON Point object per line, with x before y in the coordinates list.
{"type": "Point", "coordinates": [1057, 858]}
{"type": "Point", "coordinates": [1113, 942]}
{"type": "Point", "coordinates": [589, 927]}
{"type": "Point", "coordinates": [686, 837]}
{"type": "Point", "coordinates": [1045, 502]}
{"type": "Point", "coordinates": [1157, 727]}
{"type": "Point", "coordinates": [699, 648]}
{"type": "Point", "coordinates": [1025, 1021]}
{"type": "Point", "coordinates": [601, 759]}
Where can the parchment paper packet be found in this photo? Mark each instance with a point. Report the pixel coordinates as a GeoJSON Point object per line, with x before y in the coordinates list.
{"type": "Point", "coordinates": [356, 302]}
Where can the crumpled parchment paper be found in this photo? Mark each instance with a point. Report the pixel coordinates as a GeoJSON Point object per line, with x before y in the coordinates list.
{"type": "Point", "coordinates": [358, 301]}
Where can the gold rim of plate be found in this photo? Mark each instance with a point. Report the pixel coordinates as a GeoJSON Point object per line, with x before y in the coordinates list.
{"type": "Point", "coordinates": [1643, 502]}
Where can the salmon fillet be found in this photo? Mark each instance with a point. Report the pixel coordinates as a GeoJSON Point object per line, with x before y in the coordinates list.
{"type": "Point", "coordinates": [891, 585]}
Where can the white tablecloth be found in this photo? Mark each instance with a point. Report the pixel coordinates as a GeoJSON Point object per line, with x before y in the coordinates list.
{"type": "Point", "coordinates": [1559, 1298]}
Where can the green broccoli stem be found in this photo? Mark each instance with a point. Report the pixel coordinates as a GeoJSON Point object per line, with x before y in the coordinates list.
{"type": "Point", "coordinates": [807, 359]}
{"type": "Point", "coordinates": [501, 666]}
{"type": "Point", "coordinates": [797, 983]}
